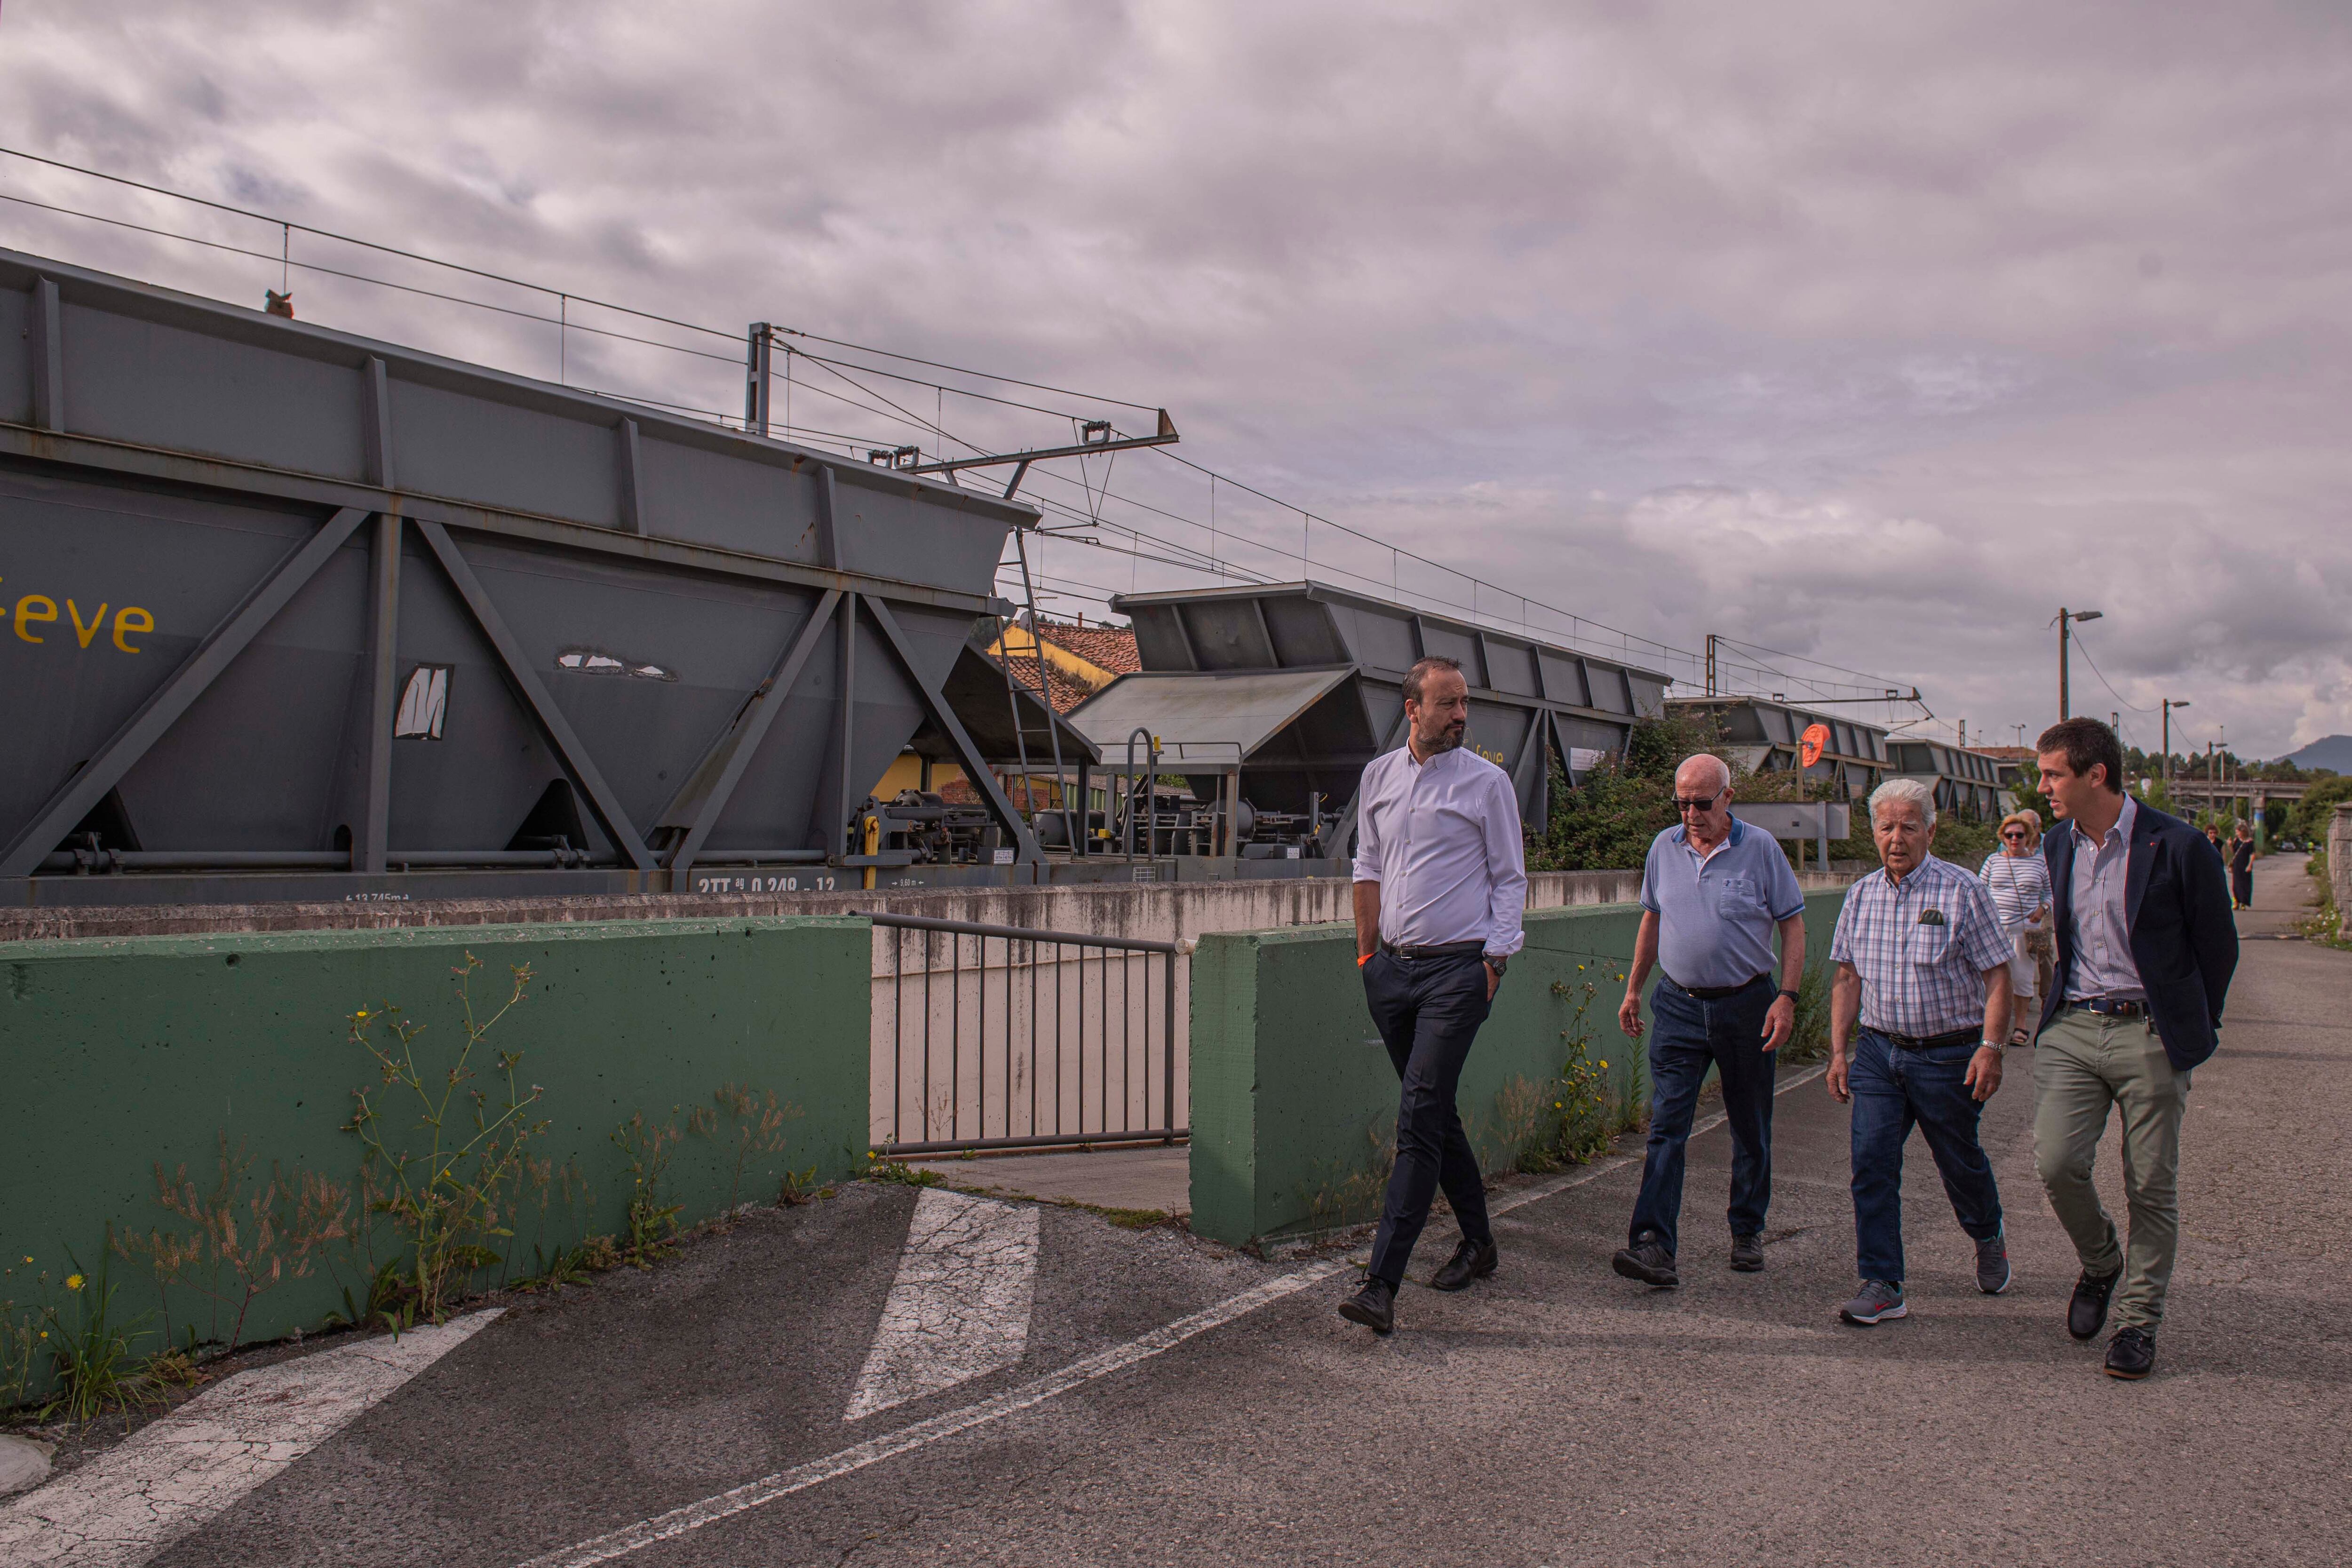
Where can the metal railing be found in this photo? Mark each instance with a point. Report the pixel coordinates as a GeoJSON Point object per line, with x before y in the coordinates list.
{"type": "Point", "coordinates": [989, 1036]}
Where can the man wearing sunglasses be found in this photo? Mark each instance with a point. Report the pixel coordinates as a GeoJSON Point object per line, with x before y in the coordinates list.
{"type": "Point", "coordinates": [1713, 892]}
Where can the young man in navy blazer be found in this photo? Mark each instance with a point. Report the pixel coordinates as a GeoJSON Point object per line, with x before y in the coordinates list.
{"type": "Point", "coordinates": [2145, 948]}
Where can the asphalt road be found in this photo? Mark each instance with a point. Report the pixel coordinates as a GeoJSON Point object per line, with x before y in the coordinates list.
{"type": "Point", "coordinates": [1554, 1415]}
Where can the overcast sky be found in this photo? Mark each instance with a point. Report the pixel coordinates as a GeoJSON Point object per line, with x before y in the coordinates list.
{"type": "Point", "coordinates": [1870, 332]}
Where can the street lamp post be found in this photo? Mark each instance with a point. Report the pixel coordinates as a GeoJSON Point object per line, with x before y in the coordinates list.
{"type": "Point", "coordinates": [2169, 704]}
{"type": "Point", "coordinates": [2064, 624]}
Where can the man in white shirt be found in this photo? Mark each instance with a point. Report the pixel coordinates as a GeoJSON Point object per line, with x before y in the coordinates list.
{"type": "Point", "coordinates": [1441, 882]}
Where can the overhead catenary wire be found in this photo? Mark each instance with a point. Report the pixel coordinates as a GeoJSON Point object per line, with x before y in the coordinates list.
{"type": "Point", "coordinates": [1215, 563]}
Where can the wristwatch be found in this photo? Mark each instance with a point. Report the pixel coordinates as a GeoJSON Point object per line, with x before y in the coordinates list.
{"type": "Point", "coordinates": [1791, 995]}
{"type": "Point", "coordinates": [1500, 965]}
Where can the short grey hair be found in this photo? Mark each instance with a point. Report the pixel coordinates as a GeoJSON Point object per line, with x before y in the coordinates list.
{"type": "Point", "coordinates": [1911, 793]}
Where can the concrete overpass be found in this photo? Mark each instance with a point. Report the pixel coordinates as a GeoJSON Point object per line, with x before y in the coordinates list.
{"type": "Point", "coordinates": [2249, 796]}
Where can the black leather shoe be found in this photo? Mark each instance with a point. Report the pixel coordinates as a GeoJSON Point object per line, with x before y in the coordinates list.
{"type": "Point", "coordinates": [2086, 1314]}
{"type": "Point", "coordinates": [2131, 1354]}
{"type": "Point", "coordinates": [1748, 1253]}
{"type": "Point", "coordinates": [1471, 1261]}
{"type": "Point", "coordinates": [1649, 1261]}
{"type": "Point", "coordinates": [1374, 1306]}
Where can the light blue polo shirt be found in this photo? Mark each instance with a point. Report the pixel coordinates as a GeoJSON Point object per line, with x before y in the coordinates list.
{"type": "Point", "coordinates": [1716, 921]}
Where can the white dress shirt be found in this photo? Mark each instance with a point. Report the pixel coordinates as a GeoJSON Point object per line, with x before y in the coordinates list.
{"type": "Point", "coordinates": [2104, 965]}
{"type": "Point", "coordinates": [1441, 838]}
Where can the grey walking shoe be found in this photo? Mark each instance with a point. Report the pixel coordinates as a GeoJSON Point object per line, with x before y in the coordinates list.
{"type": "Point", "coordinates": [1748, 1253]}
{"type": "Point", "coordinates": [1877, 1301]}
{"type": "Point", "coordinates": [1992, 1263]}
{"type": "Point", "coordinates": [1649, 1261]}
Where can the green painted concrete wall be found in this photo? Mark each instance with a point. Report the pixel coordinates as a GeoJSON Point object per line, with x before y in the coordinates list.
{"type": "Point", "coordinates": [117, 1055]}
{"type": "Point", "coordinates": [1294, 1099]}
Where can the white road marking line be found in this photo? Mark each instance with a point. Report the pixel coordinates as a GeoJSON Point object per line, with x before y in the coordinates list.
{"type": "Point", "coordinates": [751, 1494]}
{"type": "Point", "coordinates": [173, 1475]}
{"type": "Point", "coordinates": [959, 1306]}
{"type": "Point", "coordinates": [679, 1521]}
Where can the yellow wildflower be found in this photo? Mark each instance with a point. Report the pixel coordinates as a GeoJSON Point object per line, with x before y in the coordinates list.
{"type": "Point", "coordinates": [73, 1281]}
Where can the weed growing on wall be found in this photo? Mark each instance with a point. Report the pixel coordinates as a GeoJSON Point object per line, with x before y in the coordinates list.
{"type": "Point", "coordinates": [90, 1349]}
{"type": "Point", "coordinates": [454, 1197]}
{"type": "Point", "coordinates": [1348, 1192]}
{"type": "Point", "coordinates": [755, 1127]}
{"type": "Point", "coordinates": [1809, 1040]}
{"type": "Point", "coordinates": [246, 1238]}
{"type": "Point", "coordinates": [1569, 1118]}
{"type": "Point", "coordinates": [648, 1148]}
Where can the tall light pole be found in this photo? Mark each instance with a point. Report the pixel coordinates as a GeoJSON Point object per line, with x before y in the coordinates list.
{"type": "Point", "coordinates": [2064, 622]}
{"type": "Point", "coordinates": [2169, 704]}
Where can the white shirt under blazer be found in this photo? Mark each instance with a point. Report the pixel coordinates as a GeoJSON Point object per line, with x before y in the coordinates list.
{"type": "Point", "coordinates": [1443, 839]}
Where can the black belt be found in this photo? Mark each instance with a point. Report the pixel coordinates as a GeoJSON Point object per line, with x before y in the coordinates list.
{"type": "Point", "coordinates": [1712, 992]}
{"type": "Point", "coordinates": [1968, 1037]}
{"type": "Point", "coordinates": [1443, 950]}
{"type": "Point", "coordinates": [2113, 1006]}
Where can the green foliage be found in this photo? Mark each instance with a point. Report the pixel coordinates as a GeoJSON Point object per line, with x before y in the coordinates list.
{"type": "Point", "coordinates": [90, 1349]}
{"type": "Point", "coordinates": [453, 1198]}
{"type": "Point", "coordinates": [1606, 821]}
{"type": "Point", "coordinates": [653, 1214]}
{"type": "Point", "coordinates": [1570, 1119]}
{"type": "Point", "coordinates": [2309, 818]}
{"type": "Point", "coordinates": [1809, 1038]}
{"type": "Point", "coordinates": [897, 1171]}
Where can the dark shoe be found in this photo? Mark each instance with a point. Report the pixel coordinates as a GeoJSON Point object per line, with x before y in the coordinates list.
{"type": "Point", "coordinates": [1374, 1306]}
{"type": "Point", "coordinates": [1875, 1302]}
{"type": "Point", "coordinates": [1471, 1261]}
{"type": "Point", "coordinates": [1649, 1261]}
{"type": "Point", "coordinates": [1992, 1264]}
{"type": "Point", "coordinates": [2086, 1314]}
{"type": "Point", "coordinates": [1748, 1253]}
{"type": "Point", "coordinates": [2131, 1354]}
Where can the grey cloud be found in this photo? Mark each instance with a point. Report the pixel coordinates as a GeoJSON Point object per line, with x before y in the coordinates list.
{"type": "Point", "coordinates": [1883, 330]}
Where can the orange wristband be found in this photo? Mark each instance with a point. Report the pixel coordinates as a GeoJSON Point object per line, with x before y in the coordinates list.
{"type": "Point", "coordinates": [1362, 958]}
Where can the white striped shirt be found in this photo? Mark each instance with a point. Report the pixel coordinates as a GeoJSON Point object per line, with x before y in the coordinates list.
{"type": "Point", "coordinates": [2019, 884]}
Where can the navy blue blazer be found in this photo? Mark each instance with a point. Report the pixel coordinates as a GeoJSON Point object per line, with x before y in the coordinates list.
{"type": "Point", "coordinates": [2183, 937]}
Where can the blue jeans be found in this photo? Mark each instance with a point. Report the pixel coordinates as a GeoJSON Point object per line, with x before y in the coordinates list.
{"type": "Point", "coordinates": [1893, 1090]}
{"type": "Point", "coordinates": [1686, 1035]}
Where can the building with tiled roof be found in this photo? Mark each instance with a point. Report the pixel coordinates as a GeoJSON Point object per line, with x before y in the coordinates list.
{"type": "Point", "coordinates": [1079, 659]}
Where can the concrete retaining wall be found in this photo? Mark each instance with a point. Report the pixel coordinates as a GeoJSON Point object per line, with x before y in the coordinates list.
{"type": "Point", "coordinates": [121, 1054]}
{"type": "Point", "coordinates": [1294, 1099]}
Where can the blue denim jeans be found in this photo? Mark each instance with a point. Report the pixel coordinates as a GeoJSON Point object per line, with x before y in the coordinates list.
{"type": "Point", "coordinates": [1894, 1091]}
{"type": "Point", "coordinates": [1686, 1035]}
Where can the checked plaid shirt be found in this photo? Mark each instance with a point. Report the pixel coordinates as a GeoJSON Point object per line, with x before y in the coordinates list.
{"type": "Point", "coordinates": [1921, 948]}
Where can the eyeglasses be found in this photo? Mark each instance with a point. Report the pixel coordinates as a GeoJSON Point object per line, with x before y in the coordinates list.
{"type": "Point", "coordinates": [1682, 805]}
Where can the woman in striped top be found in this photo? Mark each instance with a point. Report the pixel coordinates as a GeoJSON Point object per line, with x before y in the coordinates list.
{"type": "Point", "coordinates": [2019, 879]}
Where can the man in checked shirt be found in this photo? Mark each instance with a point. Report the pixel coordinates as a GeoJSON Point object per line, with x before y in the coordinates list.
{"type": "Point", "coordinates": [1923, 965]}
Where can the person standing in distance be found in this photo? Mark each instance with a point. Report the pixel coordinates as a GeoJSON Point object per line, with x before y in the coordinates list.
{"type": "Point", "coordinates": [2146, 949]}
{"type": "Point", "coordinates": [1441, 883]}
{"type": "Point", "coordinates": [1923, 966]}
{"type": "Point", "coordinates": [1712, 891]}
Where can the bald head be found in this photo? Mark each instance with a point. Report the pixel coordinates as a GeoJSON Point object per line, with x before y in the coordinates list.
{"type": "Point", "coordinates": [1703, 796]}
{"type": "Point", "coordinates": [1705, 774]}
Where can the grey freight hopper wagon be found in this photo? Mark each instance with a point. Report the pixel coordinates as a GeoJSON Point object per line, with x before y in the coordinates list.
{"type": "Point", "coordinates": [1773, 737]}
{"type": "Point", "coordinates": [1268, 700]}
{"type": "Point", "coordinates": [293, 613]}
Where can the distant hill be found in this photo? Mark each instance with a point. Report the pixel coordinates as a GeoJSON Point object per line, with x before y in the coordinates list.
{"type": "Point", "coordinates": [2330, 751]}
